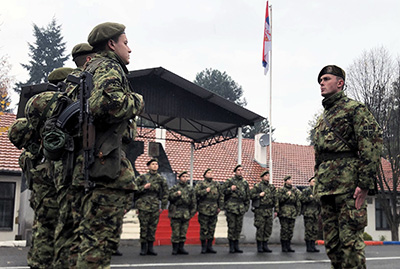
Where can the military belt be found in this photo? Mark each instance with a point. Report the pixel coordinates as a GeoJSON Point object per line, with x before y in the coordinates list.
{"type": "Point", "coordinates": [233, 199]}
{"type": "Point", "coordinates": [182, 207]}
{"type": "Point", "coordinates": [329, 156]}
{"type": "Point", "coordinates": [264, 207]}
{"type": "Point", "coordinates": [150, 194]}
{"type": "Point", "coordinates": [209, 201]}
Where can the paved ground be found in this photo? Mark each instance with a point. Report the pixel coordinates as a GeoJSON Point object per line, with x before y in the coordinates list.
{"type": "Point", "coordinates": [379, 257]}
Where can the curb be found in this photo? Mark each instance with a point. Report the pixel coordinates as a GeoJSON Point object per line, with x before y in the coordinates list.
{"type": "Point", "coordinates": [16, 243]}
{"type": "Point", "coordinates": [368, 243]}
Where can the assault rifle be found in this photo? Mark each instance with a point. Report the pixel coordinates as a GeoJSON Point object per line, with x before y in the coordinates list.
{"type": "Point", "coordinates": [86, 125]}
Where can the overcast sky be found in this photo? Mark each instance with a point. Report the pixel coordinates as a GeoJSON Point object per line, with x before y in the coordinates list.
{"type": "Point", "coordinates": [187, 36]}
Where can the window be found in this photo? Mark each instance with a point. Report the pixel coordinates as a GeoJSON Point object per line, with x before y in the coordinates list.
{"type": "Point", "coordinates": [381, 222]}
{"type": "Point", "coordinates": [7, 196]}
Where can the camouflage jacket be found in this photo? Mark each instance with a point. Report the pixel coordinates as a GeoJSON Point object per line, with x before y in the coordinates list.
{"type": "Point", "coordinates": [114, 106]}
{"type": "Point", "coordinates": [288, 205]}
{"type": "Point", "coordinates": [238, 201]}
{"type": "Point", "coordinates": [149, 199]}
{"type": "Point", "coordinates": [208, 203]}
{"type": "Point", "coordinates": [310, 206]}
{"type": "Point", "coordinates": [355, 123]}
{"type": "Point", "coordinates": [182, 206]}
{"type": "Point", "coordinates": [267, 201]}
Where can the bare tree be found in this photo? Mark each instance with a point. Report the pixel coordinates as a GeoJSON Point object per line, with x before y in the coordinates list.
{"type": "Point", "coordinates": [374, 79]}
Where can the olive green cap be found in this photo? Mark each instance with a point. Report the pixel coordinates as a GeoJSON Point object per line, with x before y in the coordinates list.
{"type": "Point", "coordinates": [104, 32]}
{"type": "Point", "coordinates": [182, 173]}
{"type": "Point", "coordinates": [236, 167]}
{"type": "Point", "coordinates": [205, 172]}
{"type": "Point", "coordinates": [152, 160]}
{"type": "Point", "coordinates": [81, 49]}
{"type": "Point", "coordinates": [333, 70]}
{"type": "Point", "coordinates": [59, 74]}
{"type": "Point", "coordinates": [287, 177]}
{"type": "Point", "coordinates": [266, 172]}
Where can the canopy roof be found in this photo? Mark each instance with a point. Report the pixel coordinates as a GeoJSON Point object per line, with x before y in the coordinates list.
{"type": "Point", "coordinates": [178, 105]}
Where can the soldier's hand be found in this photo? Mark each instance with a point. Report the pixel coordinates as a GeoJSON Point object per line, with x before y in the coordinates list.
{"type": "Point", "coordinates": [311, 195]}
{"type": "Point", "coordinates": [160, 210]}
{"type": "Point", "coordinates": [289, 193]}
{"type": "Point", "coordinates": [360, 196]}
{"type": "Point", "coordinates": [233, 187]}
{"type": "Point", "coordinates": [208, 189]}
{"type": "Point", "coordinates": [179, 193]}
{"type": "Point", "coordinates": [147, 186]}
{"type": "Point", "coordinates": [262, 194]}
{"type": "Point", "coordinates": [275, 214]}
{"type": "Point", "coordinates": [219, 210]}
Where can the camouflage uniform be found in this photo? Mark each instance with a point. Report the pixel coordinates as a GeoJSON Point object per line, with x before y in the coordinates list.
{"type": "Point", "coordinates": [287, 207]}
{"type": "Point", "coordinates": [148, 205]}
{"type": "Point", "coordinates": [181, 209]}
{"type": "Point", "coordinates": [236, 204]}
{"type": "Point", "coordinates": [112, 104]}
{"type": "Point", "coordinates": [208, 205]}
{"type": "Point", "coordinates": [310, 209]}
{"type": "Point", "coordinates": [263, 213]}
{"type": "Point", "coordinates": [339, 169]}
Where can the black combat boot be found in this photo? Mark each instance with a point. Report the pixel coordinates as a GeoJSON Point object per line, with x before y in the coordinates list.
{"type": "Point", "coordinates": [284, 246]}
{"type": "Point", "coordinates": [175, 247]}
{"type": "Point", "coordinates": [313, 246]}
{"type": "Point", "coordinates": [203, 247]}
{"type": "Point", "coordinates": [209, 246]}
{"type": "Point", "coordinates": [308, 245]}
{"type": "Point", "coordinates": [150, 250]}
{"type": "Point", "coordinates": [260, 247]}
{"type": "Point", "coordinates": [231, 246]}
{"type": "Point", "coordinates": [117, 253]}
{"type": "Point", "coordinates": [236, 245]}
{"type": "Point", "coordinates": [265, 247]}
{"type": "Point", "coordinates": [288, 246]}
{"type": "Point", "coordinates": [143, 248]}
{"type": "Point", "coordinates": [181, 250]}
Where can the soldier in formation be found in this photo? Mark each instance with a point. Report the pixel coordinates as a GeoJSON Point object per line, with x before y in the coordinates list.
{"type": "Point", "coordinates": [181, 209]}
{"type": "Point", "coordinates": [236, 203]}
{"type": "Point", "coordinates": [209, 203]}
{"type": "Point", "coordinates": [287, 208]}
{"type": "Point", "coordinates": [310, 209]}
{"type": "Point", "coordinates": [348, 147]}
{"type": "Point", "coordinates": [263, 197]}
{"type": "Point", "coordinates": [152, 189]}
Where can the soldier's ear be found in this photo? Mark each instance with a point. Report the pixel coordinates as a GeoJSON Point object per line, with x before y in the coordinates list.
{"type": "Point", "coordinates": [111, 44]}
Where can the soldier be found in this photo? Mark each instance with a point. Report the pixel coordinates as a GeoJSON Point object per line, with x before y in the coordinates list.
{"type": "Point", "coordinates": [263, 196]}
{"type": "Point", "coordinates": [152, 189]}
{"type": "Point", "coordinates": [287, 208]}
{"type": "Point", "coordinates": [113, 105]}
{"type": "Point", "coordinates": [181, 209]}
{"type": "Point", "coordinates": [236, 203]}
{"type": "Point", "coordinates": [348, 146]}
{"type": "Point", "coordinates": [209, 203]}
{"type": "Point", "coordinates": [310, 209]}
{"type": "Point", "coordinates": [82, 53]}
{"type": "Point", "coordinates": [59, 75]}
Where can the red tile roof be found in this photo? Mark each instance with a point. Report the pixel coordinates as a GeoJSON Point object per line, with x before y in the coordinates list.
{"type": "Point", "coordinates": [9, 154]}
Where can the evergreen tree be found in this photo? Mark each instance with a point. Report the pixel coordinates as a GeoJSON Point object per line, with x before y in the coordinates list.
{"type": "Point", "coordinates": [47, 53]}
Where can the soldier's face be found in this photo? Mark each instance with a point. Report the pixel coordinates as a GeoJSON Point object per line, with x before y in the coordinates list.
{"type": "Point", "coordinates": [312, 182]}
{"type": "Point", "coordinates": [265, 177]}
{"type": "Point", "coordinates": [289, 181]}
{"type": "Point", "coordinates": [239, 171]}
{"type": "Point", "coordinates": [184, 178]}
{"type": "Point", "coordinates": [330, 84]}
{"type": "Point", "coordinates": [121, 48]}
{"type": "Point", "coordinates": [153, 166]}
{"type": "Point", "coordinates": [209, 174]}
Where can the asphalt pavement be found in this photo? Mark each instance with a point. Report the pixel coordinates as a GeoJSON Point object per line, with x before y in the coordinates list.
{"type": "Point", "coordinates": [384, 256]}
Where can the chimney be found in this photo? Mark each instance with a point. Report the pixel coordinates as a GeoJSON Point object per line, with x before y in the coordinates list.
{"type": "Point", "coordinates": [160, 136]}
{"type": "Point", "coordinates": [261, 142]}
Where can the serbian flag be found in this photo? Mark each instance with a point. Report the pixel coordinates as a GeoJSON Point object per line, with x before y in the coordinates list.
{"type": "Point", "coordinates": [267, 42]}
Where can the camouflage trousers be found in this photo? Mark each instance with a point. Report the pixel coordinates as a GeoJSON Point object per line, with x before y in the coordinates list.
{"type": "Point", "coordinates": [41, 252]}
{"type": "Point", "coordinates": [343, 228]}
{"type": "Point", "coordinates": [179, 229]}
{"type": "Point", "coordinates": [310, 228]}
{"type": "Point", "coordinates": [64, 230]}
{"type": "Point", "coordinates": [75, 196]}
{"type": "Point", "coordinates": [235, 224]}
{"type": "Point", "coordinates": [207, 226]}
{"type": "Point", "coordinates": [102, 210]}
{"type": "Point", "coordinates": [263, 223]}
{"type": "Point", "coordinates": [287, 227]}
{"type": "Point", "coordinates": [148, 225]}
